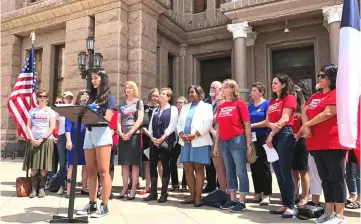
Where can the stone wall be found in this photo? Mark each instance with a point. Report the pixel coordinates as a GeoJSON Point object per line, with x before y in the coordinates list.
{"type": "Point", "coordinates": [10, 68]}
{"type": "Point", "coordinates": [77, 31]}
{"type": "Point", "coordinates": [111, 31]}
{"type": "Point", "coordinates": [142, 48]}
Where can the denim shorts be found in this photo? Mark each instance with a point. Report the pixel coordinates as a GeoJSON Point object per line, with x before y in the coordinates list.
{"type": "Point", "coordinates": [98, 136]}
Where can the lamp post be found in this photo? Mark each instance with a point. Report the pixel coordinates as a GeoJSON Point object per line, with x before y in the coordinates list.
{"type": "Point", "coordinates": [89, 60]}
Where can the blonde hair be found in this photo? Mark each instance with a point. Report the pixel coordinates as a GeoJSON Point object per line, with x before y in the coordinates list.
{"type": "Point", "coordinates": [183, 98]}
{"type": "Point", "coordinates": [234, 86]}
{"type": "Point", "coordinates": [151, 93]}
{"type": "Point", "coordinates": [168, 90]}
{"type": "Point", "coordinates": [41, 92]}
{"type": "Point", "coordinates": [134, 87]}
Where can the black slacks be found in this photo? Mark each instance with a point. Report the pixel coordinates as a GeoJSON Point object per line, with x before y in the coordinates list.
{"type": "Point", "coordinates": [331, 167]}
{"type": "Point", "coordinates": [261, 171]}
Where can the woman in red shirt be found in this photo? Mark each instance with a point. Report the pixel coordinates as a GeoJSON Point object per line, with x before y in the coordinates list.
{"type": "Point", "coordinates": [280, 118]}
{"type": "Point", "coordinates": [321, 131]}
{"type": "Point", "coordinates": [234, 131]}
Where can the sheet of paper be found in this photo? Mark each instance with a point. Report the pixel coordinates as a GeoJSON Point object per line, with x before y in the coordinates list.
{"type": "Point", "coordinates": [254, 137]}
{"type": "Point", "coordinates": [272, 155]}
{"type": "Point", "coordinates": [146, 152]}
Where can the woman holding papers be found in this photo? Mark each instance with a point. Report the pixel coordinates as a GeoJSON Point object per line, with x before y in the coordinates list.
{"type": "Point", "coordinates": [280, 118]}
{"type": "Point", "coordinates": [321, 132]}
{"type": "Point", "coordinates": [161, 129]}
{"type": "Point", "coordinates": [98, 144]}
{"type": "Point", "coordinates": [261, 171]}
{"type": "Point", "coordinates": [234, 131]}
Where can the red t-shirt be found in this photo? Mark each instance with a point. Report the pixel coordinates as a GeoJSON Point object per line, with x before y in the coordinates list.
{"type": "Point", "coordinates": [229, 116]}
{"type": "Point", "coordinates": [276, 106]}
{"type": "Point", "coordinates": [113, 125]}
{"type": "Point", "coordinates": [297, 124]}
{"type": "Point", "coordinates": [324, 134]}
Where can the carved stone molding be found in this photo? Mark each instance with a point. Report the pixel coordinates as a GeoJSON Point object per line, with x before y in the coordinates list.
{"type": "Point", "coordinates": [332, 14]}
{"type": "Point", "coordinates": [251, 38]}
{"type": "Point", "coordinates": [239, 29]}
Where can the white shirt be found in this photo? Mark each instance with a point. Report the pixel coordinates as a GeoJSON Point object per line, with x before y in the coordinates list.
{"type": "Point", "coordinates": [61, 120]}
{"type": "Point", "coordinates": [173, 120]}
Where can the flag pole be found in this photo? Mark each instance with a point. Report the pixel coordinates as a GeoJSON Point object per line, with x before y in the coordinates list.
{"type": "Point", "coordinates": [32, 36]}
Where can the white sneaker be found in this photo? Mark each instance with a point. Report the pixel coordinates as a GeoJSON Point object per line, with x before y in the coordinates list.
{"type": "Point", "coordinates": [335, 219]}
{"type": "Point", "coordinates": [60, 191]}
{"type": "Point", "coordinates": [323, 218]}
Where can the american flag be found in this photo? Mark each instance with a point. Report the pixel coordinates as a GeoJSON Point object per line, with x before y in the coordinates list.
{"type": "Point", "coordinates": [23, 96]}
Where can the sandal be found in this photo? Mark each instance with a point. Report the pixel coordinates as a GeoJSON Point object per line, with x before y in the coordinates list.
{"type": "Point", "coordinates": [174, 188]}
{"type": "Point", "coordinates": [353, 205]}
{"type": "Point", "coordinates": [265, 202]}
{"type": "Point", "coordinates": [184, 189]}
{"type": "Point", "coordinates": [187, 202]}
{"type": "Point", "coordinates": [302, 202]}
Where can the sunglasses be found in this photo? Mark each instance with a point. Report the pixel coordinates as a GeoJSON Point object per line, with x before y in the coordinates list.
{"type": "Point", "coordinates": [59, 102]}
{"type": "Point", "coordinates": [322, 76]}
{"type": "Point", "coordinates": [43, 96]}
{"type": "Point", "coordinates": [180, 102]}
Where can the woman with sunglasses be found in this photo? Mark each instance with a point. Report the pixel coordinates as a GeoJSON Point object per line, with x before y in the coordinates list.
{"type": "Point", "coordinates": [98, 143]}
{"type": "Point", "coordinates": [61, 142]}
{"type": "Point", "coordinates": [70, 133]}
{"type": "Point", "coordinates": [322, 140]}
{"type": "Point", "coordinates": [40, 127]}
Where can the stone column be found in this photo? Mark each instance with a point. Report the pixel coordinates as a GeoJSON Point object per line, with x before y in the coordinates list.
{"type": "Point", "coordinates": [182, 69]}
{"type": "Point", "coordinates": [240, 32]}
{"type": "Point", "coordinates": [332, 16]}
{"type": "Point", "coordinates": [142, 48]}
{"type": "Point", "coordinates": [10, 67]}
{"type": "Point", "coordinates": [111, 32]}
{"type": "Point", "coordinates": [76, 33]}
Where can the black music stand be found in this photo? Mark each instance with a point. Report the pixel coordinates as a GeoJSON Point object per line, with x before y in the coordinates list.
{"type": "Point", "coordinates": [79, 115]}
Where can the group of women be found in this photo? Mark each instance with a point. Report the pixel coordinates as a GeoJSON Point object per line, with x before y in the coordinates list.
{"type": "Point", "coordinates": [160, 132]}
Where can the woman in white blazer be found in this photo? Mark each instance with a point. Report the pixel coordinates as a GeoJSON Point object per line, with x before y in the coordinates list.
{"type": "Point", "coordinates": [194, 122]}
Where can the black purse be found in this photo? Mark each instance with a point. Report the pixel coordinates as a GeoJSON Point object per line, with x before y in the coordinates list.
{"type": "Point", "coordinates": [165, 147]}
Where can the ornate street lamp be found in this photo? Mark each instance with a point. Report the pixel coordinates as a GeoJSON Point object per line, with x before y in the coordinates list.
{"type": "Point", "coordinates": [88, 61]}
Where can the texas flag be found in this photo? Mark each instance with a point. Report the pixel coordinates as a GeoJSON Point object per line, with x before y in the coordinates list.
{"type": "Point", "coordinates": [349, 77]}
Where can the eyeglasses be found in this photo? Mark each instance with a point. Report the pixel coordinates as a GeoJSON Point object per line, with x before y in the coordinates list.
{"type": "Point", "coordinates": [42, 96]}
{"type": "Point", "coordinates": [59, 102]}
{"type": "Point", "coordinates": [322, 76]}
{"type": "Point", "coordinates": [180, 102]}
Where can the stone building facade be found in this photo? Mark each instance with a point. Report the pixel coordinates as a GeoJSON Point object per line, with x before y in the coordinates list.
{"type": "Point", "coordinates": [173, 43]}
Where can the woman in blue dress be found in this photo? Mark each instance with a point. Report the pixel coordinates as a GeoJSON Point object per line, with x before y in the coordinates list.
{"type": "Point", "coordinates": [194, 123]}
{"type": "Point", "coordinates": [70, 133]}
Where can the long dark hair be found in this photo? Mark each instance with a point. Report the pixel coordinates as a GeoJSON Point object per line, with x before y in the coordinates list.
{"type": "Point", "coordinates": [104, 89]}
{"type": "Point", "coordinates": [300, 98]}
{"type": "Point", "coordinates": [306, 90]}
{"type": "Point", "coordinates": [330, 71]}
{"type": "Point", "coordinates": [289, 86]}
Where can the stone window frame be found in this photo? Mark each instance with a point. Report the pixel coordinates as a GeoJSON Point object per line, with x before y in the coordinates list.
{"type": "Point", "coordinates": [220, 2]}
{"type": "Point", "coordinates": [198, 3]}
{"type": "Point", "coordinates": [287, 44]}
{"type": "Point", "coordinates": [57, 82]}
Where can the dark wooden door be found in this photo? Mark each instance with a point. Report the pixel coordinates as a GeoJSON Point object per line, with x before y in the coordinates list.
{"type": "Point", "coordinates": [297, 63]}
{"type": "Point", "coordinates": [215, 70]}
